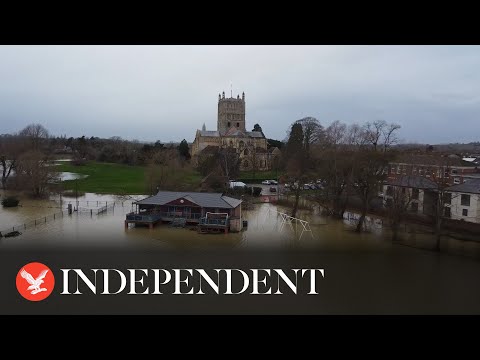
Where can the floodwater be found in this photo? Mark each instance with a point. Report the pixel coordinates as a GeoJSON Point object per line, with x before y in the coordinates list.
{"type": "Point", "coordinates": [65, 175]}
{"type": "Point", "coordinates": [266, 229]}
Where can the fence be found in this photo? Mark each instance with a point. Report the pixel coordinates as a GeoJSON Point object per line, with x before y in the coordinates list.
{"type": "Point", "coordinates": [60, 214]}
{"type": "Point", "coordinates": [34, 223]}
{"type": "Point", "coordinates": [89, 203]}
{"type": "Point", "coordinates": [96, 211]}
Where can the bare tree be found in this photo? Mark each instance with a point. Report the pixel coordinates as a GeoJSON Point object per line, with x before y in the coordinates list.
{"type": "Point", "coordinates": [442, 198]}
{"type": "Point", "coordinates": [313, 132]}
{"type": "Point", "coordinates": [399, 199]}
{"type": "Point", "coordinates": [36, 134]}
{"type": "Point", "coordinates": [34, 173]}
{"type": "Point", "coordinates": [368, 176]}
{"type": "Point", "coordinates": [334, 167]}
{"type": "Point", "coordinates": [10, 150]}
{"type": "Point", "coordinates": [253, 159]}
{"type": "Point", "coordinates": [162, 171]}
{"type": "Point", "coordinates": [390, 136]}
{"type": "Point", "coordinates": [355, 136]}
{"type": "Point", "coordinates": [374, 131]}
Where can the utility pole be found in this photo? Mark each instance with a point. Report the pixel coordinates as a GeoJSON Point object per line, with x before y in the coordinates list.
{"type": "Point", "coordinates": [76, 193]}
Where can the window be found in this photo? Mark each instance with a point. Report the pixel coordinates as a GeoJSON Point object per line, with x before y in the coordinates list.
{"type": "Point", "coordinates": [245, 152]}
{"type": "Point", "coordinates": [389, 190]}
{"type": "Point", "coordinates": [398, 169]}
{"type": "Point", "coordinates": [392, 170]}
{"type": "Point", "coordinates": [415, 193]}
{"type": "Point", "coordinates": [414, 207]}
{"type": "Point", "coordinates": [465, 212]}
{"type": "Point", "coordinates": [448, 212]}
{"type": "Point", "coordinates": [447, 198]}
{"type": "Point", "coordinates": [414, 170]}
{"type": "Point", "coordinates": [454, 171]}
{"type": "Point", "coordinates": [238, 124]}
{"type": "Point", "coordinates": [465, 201]}
{"type": "Point", "coordinates": [420, 171]}
{"type": "Point", "coordinates": [245, 164]}
{"type": "Point", "coordinates": [229, 124]}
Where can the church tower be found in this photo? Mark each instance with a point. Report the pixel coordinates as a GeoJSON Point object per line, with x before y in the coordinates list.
{"type": "Point", "coordinates": [231, 113]}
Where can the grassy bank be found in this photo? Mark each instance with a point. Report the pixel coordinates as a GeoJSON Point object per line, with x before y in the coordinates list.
{"type": "Point", "coordinates": [250, 176]}
{"type": "Point", "coordinates": [108, 178]}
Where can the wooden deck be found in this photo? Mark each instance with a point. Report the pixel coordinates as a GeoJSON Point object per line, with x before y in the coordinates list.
{"type": "Point", "coordinates": [152, 219]}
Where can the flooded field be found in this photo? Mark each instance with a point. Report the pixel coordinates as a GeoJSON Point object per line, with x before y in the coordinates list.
{"type": "Point", "coordinates": [47, 221]}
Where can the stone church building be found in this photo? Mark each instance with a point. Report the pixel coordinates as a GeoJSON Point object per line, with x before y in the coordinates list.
{"type": "Point", "coordinates": [231, 133]}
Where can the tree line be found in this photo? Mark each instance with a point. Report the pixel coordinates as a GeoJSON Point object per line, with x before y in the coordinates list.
{"type": "Point", "coordinates": [26, 156]}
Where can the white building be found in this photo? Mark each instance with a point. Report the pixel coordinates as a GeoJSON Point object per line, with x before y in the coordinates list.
{"type": "Point", "coordinates": [464, 201]}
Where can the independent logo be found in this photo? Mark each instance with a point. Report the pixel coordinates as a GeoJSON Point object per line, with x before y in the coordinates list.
{"type": "Point", "coordinates": [35, 281]}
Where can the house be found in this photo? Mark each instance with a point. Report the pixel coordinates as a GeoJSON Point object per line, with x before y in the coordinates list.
{"type": "Point", "coordinates": [419, 190]}
{"type": "Point", "coordinates": [200, 208]}
{"type": "Point", "coordinates": [450, 170]}
{"type": "Point", "coordinates": [464, 201]}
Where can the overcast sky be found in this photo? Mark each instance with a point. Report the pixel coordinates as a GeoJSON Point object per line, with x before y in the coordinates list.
{"type": "Point", "coordinates": [165, 93]}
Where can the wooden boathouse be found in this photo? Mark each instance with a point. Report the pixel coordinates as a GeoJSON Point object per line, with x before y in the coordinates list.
{"type": "Point", "coordinates": [211, 212]}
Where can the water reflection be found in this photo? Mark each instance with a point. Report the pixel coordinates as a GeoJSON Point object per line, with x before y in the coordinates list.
{"type": "Point", "coordinates": [65, 175]}
{"type": "Point", "coordinates": [264, 229]}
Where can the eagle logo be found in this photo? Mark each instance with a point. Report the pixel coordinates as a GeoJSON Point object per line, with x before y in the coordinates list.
{"type": "Point", "coordinates": [35, 289]}
{"type": "Point", "coordinates": [35, 284]}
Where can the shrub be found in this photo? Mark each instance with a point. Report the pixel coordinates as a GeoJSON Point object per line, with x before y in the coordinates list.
{"type": "Point", "coordinates": [10, 201]}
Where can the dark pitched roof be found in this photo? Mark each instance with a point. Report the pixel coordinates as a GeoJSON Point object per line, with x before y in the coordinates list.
{"type": "Point", "coordinates": [413, 181]}
{"type": "Point", "coordinates": [214, 200]}
{"type": "Point", "coordinates": [470, 186]}
{"type": "Point", "coordinates": [210, 149]}
{"type": "Point", "coordinates": [424, 159]}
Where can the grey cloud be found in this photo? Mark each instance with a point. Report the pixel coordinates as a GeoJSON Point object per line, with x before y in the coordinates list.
{"type": "Point", "coordinates": [167, 92]}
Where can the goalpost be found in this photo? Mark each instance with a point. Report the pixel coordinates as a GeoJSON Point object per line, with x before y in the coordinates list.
{"type": "Point", "coordinates": [290, 220]}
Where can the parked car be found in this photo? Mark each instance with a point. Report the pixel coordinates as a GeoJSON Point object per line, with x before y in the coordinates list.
{"type": "Point", "coordinates": [273, 189]}
{"type": "Point", "coordinates": [266, 182]}
{"type": "Point", "coordinates": [273, 182]}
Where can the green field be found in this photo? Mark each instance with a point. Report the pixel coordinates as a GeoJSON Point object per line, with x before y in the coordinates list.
{"type": "Point", "coordinates": [108, 178]}
{"type": "Point", "coordinates": [259, 175]}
